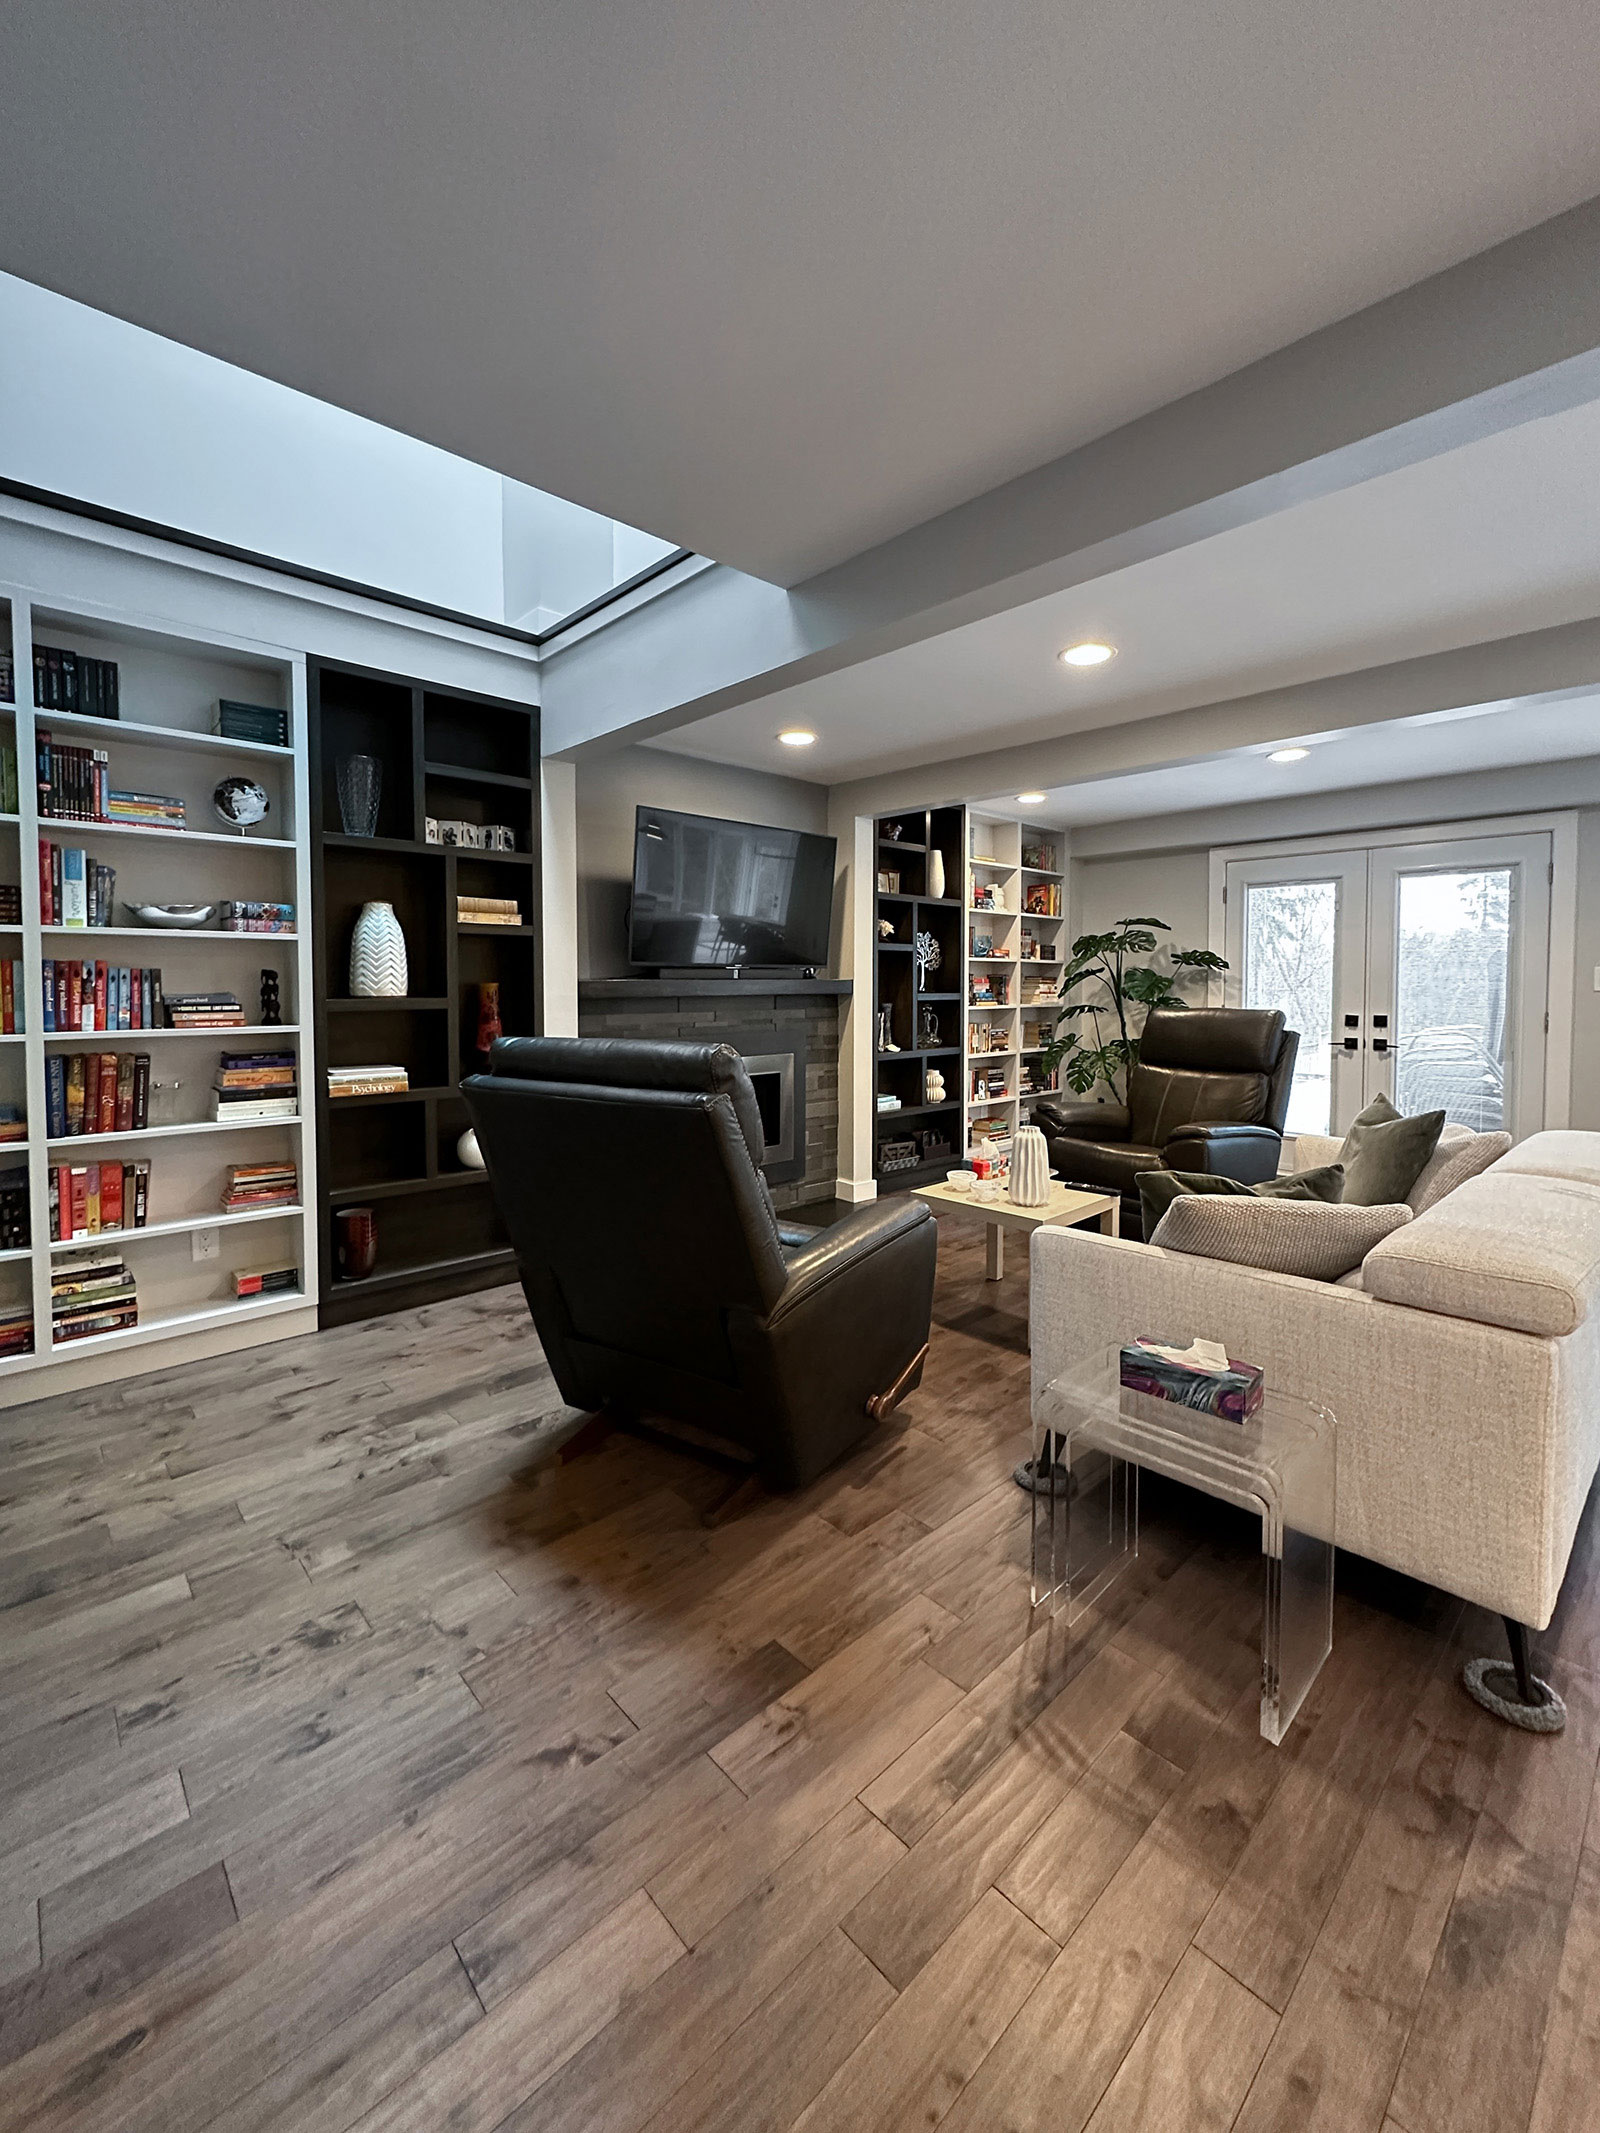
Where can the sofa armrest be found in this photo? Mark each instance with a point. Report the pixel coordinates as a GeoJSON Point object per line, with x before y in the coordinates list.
{"type": "Point", "coordinates": [1248, 1154]}
{"type": "Point", "coordinates": [1082, 1122]}
{"type": "Point", "coordinates": [1465, 1451]}
{"type": "Point", "coordinates": [1314, 1151]}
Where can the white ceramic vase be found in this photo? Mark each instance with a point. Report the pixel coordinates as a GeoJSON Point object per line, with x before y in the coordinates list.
{"type": "Point", "coordinates": [1030, 1168]}
{"type": "Point", "coordinates": [468, 1153]}
{"type": "Point", "coordinates": [936, 873]}
{"type": "Point", "coordinates": [378, 955]}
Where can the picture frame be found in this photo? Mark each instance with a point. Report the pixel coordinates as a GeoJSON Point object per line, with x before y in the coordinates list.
{"type": "Point", "coordinates": [888, 881]}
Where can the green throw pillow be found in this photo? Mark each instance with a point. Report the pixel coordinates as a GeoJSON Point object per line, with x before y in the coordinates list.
{"type": "Point", "coordinates": [1385, 1154]}
{"type": "Point", "coordinates": [1159, 1188]}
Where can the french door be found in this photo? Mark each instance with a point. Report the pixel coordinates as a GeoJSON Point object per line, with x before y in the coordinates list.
{"type": "Point", "coordinates": [1414, 970]}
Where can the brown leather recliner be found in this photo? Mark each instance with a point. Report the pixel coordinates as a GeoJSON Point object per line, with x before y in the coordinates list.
{"type": "Point", "coordinates": [1210, 1093]}
{"type": "Point", "coordinates": [626, 1172]}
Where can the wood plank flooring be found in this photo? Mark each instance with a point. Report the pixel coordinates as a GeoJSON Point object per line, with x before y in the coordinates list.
{"type": "Point", "coordinates": [366, 1766]}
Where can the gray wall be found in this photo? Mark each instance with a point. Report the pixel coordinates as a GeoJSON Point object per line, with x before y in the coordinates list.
{"type": "Point", "coordinates": [1161, 867]}
{"type": "Point", "coordinates": [610, 787]}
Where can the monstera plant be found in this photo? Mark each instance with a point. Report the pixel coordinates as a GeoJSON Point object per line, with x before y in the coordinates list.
{"type": "Point", "coordinates": [1117, 987]}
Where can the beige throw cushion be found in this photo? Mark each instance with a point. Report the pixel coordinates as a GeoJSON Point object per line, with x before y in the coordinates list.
{"type": "Point", "coordinates": [1508, 1249]}
{"type": "Point", "coordinates": [1461, 1154]}
{"type": "Point", "coordinates": [1307, 1237]}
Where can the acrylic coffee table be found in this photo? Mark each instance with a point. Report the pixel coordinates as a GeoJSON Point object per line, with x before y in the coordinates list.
{"type": "Point", "coordinates": [1091, 1437]}
{"type": "Point", "coordinates": [1065, 1206]}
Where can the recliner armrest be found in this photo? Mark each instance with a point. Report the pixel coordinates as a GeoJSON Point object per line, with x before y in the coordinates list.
{"type": "Point", "coordinates": [844, 1245]}
{"type": "Point", "coordinates": [1248, 1154]}
{"type": "Point", "coordinates": [1083, 1122]}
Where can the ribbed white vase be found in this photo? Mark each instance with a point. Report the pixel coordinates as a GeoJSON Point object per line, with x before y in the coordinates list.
{"type": "Point", "coordinates": [1030, 1168]}
{"type": "Point", "coordinates": [378, 955]}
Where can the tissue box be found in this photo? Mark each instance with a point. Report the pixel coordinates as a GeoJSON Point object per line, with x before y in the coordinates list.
{"type": "Point", "coordinates": [1233, 1395]}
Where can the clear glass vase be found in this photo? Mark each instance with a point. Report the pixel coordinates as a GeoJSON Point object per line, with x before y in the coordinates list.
{"type": "Point", "coordinates": [360, 780]}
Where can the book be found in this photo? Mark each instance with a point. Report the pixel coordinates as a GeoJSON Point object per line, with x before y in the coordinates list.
{"type": "Point", "coordinates": [265, 724]}
{"type": "Point", "coordinates": [74, 894]}
{"type": "Point", "coordinates": [266, 1280]}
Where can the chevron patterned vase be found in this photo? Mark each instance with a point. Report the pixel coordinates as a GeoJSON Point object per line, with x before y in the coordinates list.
{"type": "Point", "coordinates": [1030, 1169]}
{"type": "Point", "coordinates": [378, 955]}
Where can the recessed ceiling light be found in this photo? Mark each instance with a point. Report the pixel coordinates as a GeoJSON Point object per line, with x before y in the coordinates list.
{"type": "Point", "coordinates": [1032, 799]}
{"type": "Point", "coordinates": [1089, 654]}
{"type": "Point", "coordinates": [797, 737]}
{"type": "Point", "coordinates": [1288, 755]}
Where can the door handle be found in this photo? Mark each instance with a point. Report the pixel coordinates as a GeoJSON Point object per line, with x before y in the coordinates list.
{"type": "Point", "coordinates": [1352, 1044]}
{"type": "Point", "coordinates": [1380, 1044]}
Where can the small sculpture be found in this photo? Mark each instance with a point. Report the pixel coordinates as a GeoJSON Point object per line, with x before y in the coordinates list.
{"type": "Point", "coordinates": [886, 929]}
{"type": "Point", "coordinates": [886, 1041]}
{"type": "Point", "coordinates": [271, 1004]}
{"type": "Point", "coordinates": [927, 955]}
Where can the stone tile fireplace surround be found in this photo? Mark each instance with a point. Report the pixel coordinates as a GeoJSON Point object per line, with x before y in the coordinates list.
{"type": "Point", "coordinates": [788, 1023]}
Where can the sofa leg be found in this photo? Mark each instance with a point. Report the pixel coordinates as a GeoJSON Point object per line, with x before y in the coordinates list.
{"type": "Point", "coordinates": [1515, 1692]}
{"type": "Point", "coordinates": [1517, 1638]}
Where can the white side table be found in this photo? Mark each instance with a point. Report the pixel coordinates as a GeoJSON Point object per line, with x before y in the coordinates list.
{"type": "Point", "coordinates": [1091, 1437]}
{"type": "Point", "coordinates": [1065, 1206]}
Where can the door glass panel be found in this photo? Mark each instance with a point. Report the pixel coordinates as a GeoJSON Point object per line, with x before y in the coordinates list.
{"type": "Point", "coordinates": [1290, 932]}
{"type": "Point", "coordinates": [1452, 983]}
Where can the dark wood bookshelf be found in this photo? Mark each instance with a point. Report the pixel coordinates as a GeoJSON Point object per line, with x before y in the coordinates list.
{"type": "Point", "coordinates": [451, 755]}
{"type": "Point", "coordinates": [906, 843]}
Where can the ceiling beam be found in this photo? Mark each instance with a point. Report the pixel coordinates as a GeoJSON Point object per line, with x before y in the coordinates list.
{"type": "Point", "coordinates": [1504, 338]}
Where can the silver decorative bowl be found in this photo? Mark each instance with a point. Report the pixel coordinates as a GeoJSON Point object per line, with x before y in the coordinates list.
{"type": "Point", "coordinates": [172, 914]}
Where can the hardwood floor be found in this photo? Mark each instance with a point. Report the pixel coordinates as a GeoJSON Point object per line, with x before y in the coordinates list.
{"type": "Point", "coordinates": [366, 1766]}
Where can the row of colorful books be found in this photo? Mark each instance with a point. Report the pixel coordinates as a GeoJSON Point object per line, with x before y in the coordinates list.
{"type": "Point", "coordinates": [10, 800]}
{"type": "Point", "coordinates": [254, 1186]}
{"type": "Point", "coordinates": [16, 1329]}
{"type": "Point", "coordinates": [10, 897]}
{"type": "Point", "coordinates": [88, 1199]}
{"type": "Point", "coordinates": [96, 1294]}
{"type": "Point", "coordinates": [74, 890]}
{"type": "Point", "coordinates": [11, 982]}
{"type": "Point", "coordinates": [71, 681]}
{"type": "Point", "coordinates": [252, 1085]}
{"type": "Point", "coordinates": [81, 996]}
{"type": "Point", "coordinates": [96, 1092]}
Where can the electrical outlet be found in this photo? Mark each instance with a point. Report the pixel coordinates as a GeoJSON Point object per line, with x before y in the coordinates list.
{"type": "Point", "coordinates": [206, 1244]}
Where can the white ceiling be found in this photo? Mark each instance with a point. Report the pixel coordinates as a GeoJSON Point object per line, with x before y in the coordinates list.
{"type": "Point", "coordinates": [773, 282]}
{"type": "Point", "coordinates": [1436, 745]}
{"type": "Point", "coordinates": [1495, 538]}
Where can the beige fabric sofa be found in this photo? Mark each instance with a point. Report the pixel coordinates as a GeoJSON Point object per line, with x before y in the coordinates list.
{"type": "Point", "coordinates": [1464, 1370]}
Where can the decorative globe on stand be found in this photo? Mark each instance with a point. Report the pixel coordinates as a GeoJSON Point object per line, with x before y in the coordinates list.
{"type": "Point", "coordinates": [239, 803]}
{"type": "Point", "coordinates": [378, 969]}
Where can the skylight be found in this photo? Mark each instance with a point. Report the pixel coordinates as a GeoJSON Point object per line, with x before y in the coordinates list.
{"type": "Point", "coordinates": [101, 412]}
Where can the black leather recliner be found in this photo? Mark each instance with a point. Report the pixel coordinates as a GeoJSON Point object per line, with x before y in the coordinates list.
{"type": "Point", "coordinates": [626, 1172]}
{"type": "Point", "coordinates": [1210, 1093]}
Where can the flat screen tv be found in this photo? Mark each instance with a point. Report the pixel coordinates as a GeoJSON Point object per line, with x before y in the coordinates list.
{"type": "Point", "coordinates": [709, 894]}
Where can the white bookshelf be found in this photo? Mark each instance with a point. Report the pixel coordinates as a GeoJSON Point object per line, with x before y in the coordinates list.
{"type": "Point", "coordinates": [1029, 948]}
{"type": "Point", "coordinates": [1045, 932]}
{"type": "Point", "coordinates": [993, 1032]}
{"type": "Point", "coordinates": [169, 686]}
